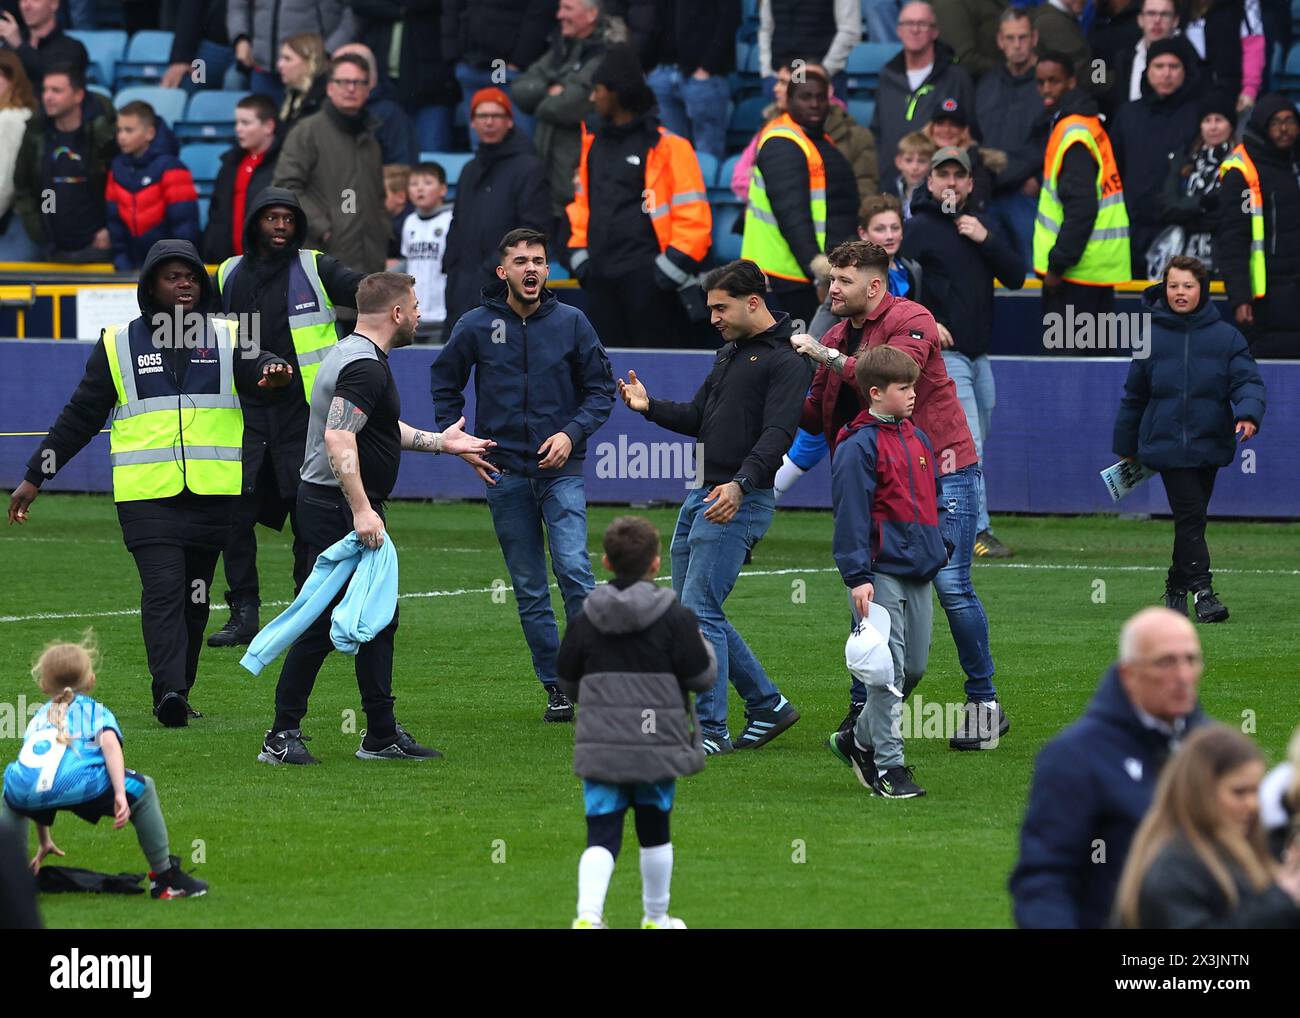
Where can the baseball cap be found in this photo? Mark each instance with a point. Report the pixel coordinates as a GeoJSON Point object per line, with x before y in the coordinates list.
{"type": "Point", "coordinates": [867, 652]}
{"type": "Point", "coordinates": [950, 154]}
{"type": "Point", "coordinates": [950, 109]}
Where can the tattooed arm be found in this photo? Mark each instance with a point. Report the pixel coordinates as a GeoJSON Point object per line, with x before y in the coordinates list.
{"type": "Point", "coordinates": [420, 441]}
{"type": "Point", "coordinates": [452, 440]}
{"type": "Point", "coordinates": [342, 422]}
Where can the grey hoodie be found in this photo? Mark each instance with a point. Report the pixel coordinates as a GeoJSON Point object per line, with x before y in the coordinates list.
{"type": "Point", "coordinates": [629, 660]}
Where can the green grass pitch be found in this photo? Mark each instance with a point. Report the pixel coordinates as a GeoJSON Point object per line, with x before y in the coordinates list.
{"type": "Point", "coordinates": [490, 835]}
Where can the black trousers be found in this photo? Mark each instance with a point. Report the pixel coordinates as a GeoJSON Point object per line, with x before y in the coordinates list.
{"type": "Point", "coordinates": [1189, 494]}
{"type": "Point", "coordinates": [325, 519]}
{"type": "Point", "coordinates": [630, 310]}
{"type": "Point", "coordinates": [175, 581]}
{"type": "Point", "coordinates": [1086, 300]}
{"type": "Point", "coordinates": [240, 555]}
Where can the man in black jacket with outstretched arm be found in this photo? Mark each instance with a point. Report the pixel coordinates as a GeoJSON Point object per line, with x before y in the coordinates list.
{"type": "Point", "coordinates": [744, 417]}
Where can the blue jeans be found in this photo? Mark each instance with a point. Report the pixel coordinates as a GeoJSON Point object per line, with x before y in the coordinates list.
{"type": "Point", "coordinates": [706, 560]}
{"type": "Point", "coordinates": [471, 80]}
{"type": "Point", "coordinates": [697, 110]}
{"type": "Point", "coordinates": [268, 83]}
{"type": "Point", "coordinates": [519, 506]}
{"type": "Point", "coordinates": [15, 245]}
{"type": "Point", "coordinates": [217, 60]}
{"type": "Point", "coordinates": [958, 509]}
{"type": "Point", "coordinates": [882, 20]}
{"type": "Point", "coordinates": [973, 377]}
{"type": "Point", "coordinates": [1015, 213]}
{"type": "Point", "coordinates": [433, 128]}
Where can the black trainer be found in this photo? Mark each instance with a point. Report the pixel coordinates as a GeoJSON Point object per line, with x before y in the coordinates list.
{"type": "Point", "coordinates": [400, 747]}
{"type": "Point", "coordinates": [717, 745]}
{"type": "Point", "coordinates": [863, 761]}
{"type": "Point", "coordinates": [981, 726]}
{"type": "Point", "coordinates": [988, 546]}
{"type": "Point", "coordinates": [559, 708]}
{"type": "Point", "coordinates": [173, 883]}
{"type": "Point", "coordinates": [851, 718]}
{"type": "Point", "coordinates": [240, 628]}
{"type": "Point", "coordinates": [1176, 599]}
{"type": "Point", "coordinates": [173, 710]}
{"type": "Point", "coordinates": [762, 726]}
{"type": "Point", "coordinates": [1208, 607]}
{"type": "Point", "coordinates": [897, 783]}
{"type": "Point", "coordinates": [286, 748]}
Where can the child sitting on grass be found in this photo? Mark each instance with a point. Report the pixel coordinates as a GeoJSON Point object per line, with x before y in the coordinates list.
{"type": "Point", "coordinates": [628, 660]}
{"type": "Point", "coordinates": [71, 759]}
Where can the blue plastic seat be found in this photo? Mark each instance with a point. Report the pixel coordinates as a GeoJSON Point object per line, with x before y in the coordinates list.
{"type": "Point", "coordinates": [210, 116]}
{"type": "Point", "coordinates": [147, 57]}
{"type": "Point", "coordinates": [168, 103]}
{"type": "Point", "coordinates": [105, 48]}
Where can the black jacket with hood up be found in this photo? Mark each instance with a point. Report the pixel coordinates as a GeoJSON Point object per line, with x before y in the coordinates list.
{"type": "Point", "coordinates": [182, 519]}
{"type": "Point", "coordinates": [1076, 184]}
{"type": "Point", "coordinates": [275, 420]}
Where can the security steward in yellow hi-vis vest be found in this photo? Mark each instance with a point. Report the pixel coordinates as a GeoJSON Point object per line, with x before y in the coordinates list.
{"type": "Point", "coordinates": [1081, 230]}
{"type": "Point", "coordinates": [803, 201]}
{"type": "Point", "coordinates": [293, 293]}
{"type": "Point", "coordinates": [171, 382]}
{"type": "Point", "coordinates": [1257, 236]}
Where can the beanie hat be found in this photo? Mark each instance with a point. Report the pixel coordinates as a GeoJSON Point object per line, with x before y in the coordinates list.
{"type": "Point", "coordinates": [620, 72]}
{"type": "Point", "coordinates": [491, 95]}
{"type": "Point", "coordinates": [1220, 103]}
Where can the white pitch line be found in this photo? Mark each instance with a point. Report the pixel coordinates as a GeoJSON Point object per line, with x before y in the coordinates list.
{"type": "Point", "coordinates": [1044, 566]}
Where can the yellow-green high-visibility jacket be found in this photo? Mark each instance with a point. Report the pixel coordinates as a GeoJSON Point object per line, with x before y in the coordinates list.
{"type": "Point", "coordinates": [165, 439]}
{"type": "Point", "coordinates": [1239, 159]}
{"type": "Point", "coordinates": [763, 243]}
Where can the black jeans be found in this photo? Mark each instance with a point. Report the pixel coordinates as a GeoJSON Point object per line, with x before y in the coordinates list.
{"type": "Point", "coordinates": [1189, 494]}
{"type": "Point", "coordinates": [630, 310]}
{"type": "Point", "coordinates": [325, 518]}
{"type": "Point", "coordinates": [175, 581]}
{"type": "Point", "coordinates": [1085, 300]}
{"type": "Point", "coordinates": [240, 555]}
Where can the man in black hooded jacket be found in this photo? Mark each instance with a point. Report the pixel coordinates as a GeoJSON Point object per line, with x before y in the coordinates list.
{"type": "Point", "coordinates": [176, 511]}
{"type": "Point", "coordinates": [1264, 308]}
{"type": "Point", "coordinates": [275, 423]}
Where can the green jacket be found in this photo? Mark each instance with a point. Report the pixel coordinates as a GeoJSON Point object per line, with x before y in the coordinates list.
{"type": "Point", "coordinates": [1062, 33]}
{"type": "Point", "coordinates": [100, 120]}
{"type": "Point", "coordinates": [970, 27]}
{"type": "Point", "coordinates": [558, 134]}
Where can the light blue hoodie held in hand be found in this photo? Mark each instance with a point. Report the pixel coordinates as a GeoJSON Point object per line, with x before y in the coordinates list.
{"type": "Point", "coordinates": [366, 608]}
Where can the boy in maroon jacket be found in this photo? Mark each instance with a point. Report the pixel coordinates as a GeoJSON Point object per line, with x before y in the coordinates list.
{"type": "Point", "coordinates": [859, 295]}
{"type": "Point", "coordinates": [888, 547]}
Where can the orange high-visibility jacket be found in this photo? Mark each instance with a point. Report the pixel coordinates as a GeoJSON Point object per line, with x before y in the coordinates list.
{"type": "Point", "coordinates": [675, 197]}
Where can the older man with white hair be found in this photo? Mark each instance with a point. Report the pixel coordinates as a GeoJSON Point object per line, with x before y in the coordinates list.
{"type": "Point", "coordinates": [1094, 782]}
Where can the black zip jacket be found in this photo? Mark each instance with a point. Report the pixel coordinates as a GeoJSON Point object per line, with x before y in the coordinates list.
{"type": "Point", "coordinates": [958, 272]}
{"type": "Point", "coordinates": [746, 412]}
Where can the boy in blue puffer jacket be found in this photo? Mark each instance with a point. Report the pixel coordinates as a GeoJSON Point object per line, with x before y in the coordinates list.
{"type": "Point", "coordinates": [150, 194]}
{"type": "Point", "coordinates": [1182, 405]}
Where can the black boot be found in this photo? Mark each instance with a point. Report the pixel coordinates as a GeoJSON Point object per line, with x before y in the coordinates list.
{"type": "Point", "coordinates": [242, 626]}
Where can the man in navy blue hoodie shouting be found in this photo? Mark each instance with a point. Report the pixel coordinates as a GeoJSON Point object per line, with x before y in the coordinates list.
{"type": "Point", "coordinates": [543, 386]}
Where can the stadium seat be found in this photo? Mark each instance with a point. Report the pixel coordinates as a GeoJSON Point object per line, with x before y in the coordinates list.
{"type": "Point", "coordinates": [106, 93]}
{"type": "Point", "coordinates": [864, 64]}
{"type": "Point", "coordinates": [106, 48]}
{"type": "Point", "coordinates": [203, 212]}
{"type": "Point", "coordinates": [708, 167]}
{"type": "Point", "coordinates": [203, 162]}
{"type": "Point", "coordinates": [146, 59]}
{"type": "Point", "coordinates": [746, 118]}
{"type": "Point", "coordinates": [1287, 80]}
{"type": "Point", "coordinates": [862, 110]}
{"type": "Point", "coordinates": [210, 116]}
{"type": "Point", "coordinates": [168, 103]}
{"type": "Point", "coordinates": [721, 191]}
{"type": "Point", "coordinates": [726, 245]}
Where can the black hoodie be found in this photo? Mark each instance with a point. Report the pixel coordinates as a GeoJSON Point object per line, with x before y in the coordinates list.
{"type": "Point", "coordinates": [1279, 178]}
{"type": "Point", "coordinates": [204, 518]}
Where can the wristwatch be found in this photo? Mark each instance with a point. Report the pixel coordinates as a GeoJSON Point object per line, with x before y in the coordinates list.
{"type": "Point", "coordinates": [746, 485]}
{"type": "Point", "coordinates": [835, 360]}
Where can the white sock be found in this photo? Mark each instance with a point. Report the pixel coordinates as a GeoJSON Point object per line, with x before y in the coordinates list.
{"type": "Point", "coordinates": [786, 475]}
{"type": "Point", "coordinates": [594, 871]}
{"type": "Point", "coordinates": [656, 876]}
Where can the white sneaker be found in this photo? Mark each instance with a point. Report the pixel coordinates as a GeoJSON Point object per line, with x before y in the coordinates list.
{"type": "Point", "coordinates": [668, 922]}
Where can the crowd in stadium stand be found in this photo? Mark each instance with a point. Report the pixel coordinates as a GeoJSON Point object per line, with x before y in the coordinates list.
{"type": "Point", "coordinates": [115, 119]}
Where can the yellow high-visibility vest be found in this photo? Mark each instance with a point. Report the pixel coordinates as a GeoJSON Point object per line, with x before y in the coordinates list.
{"type": "Point", "coordinates": [1105, 259]}
{"type": "Point", "coordinates": [163, 443]}
{"type": "Point", "coordinates": [1239, 159]}
{"type": "Point", "coordinates": [313, 331]}
{"type": "Point", "coordinates": [763, 243]}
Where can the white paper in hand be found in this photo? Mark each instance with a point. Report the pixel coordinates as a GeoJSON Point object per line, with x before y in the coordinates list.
{"type": "Point", "coordinates": [1123, 477]}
